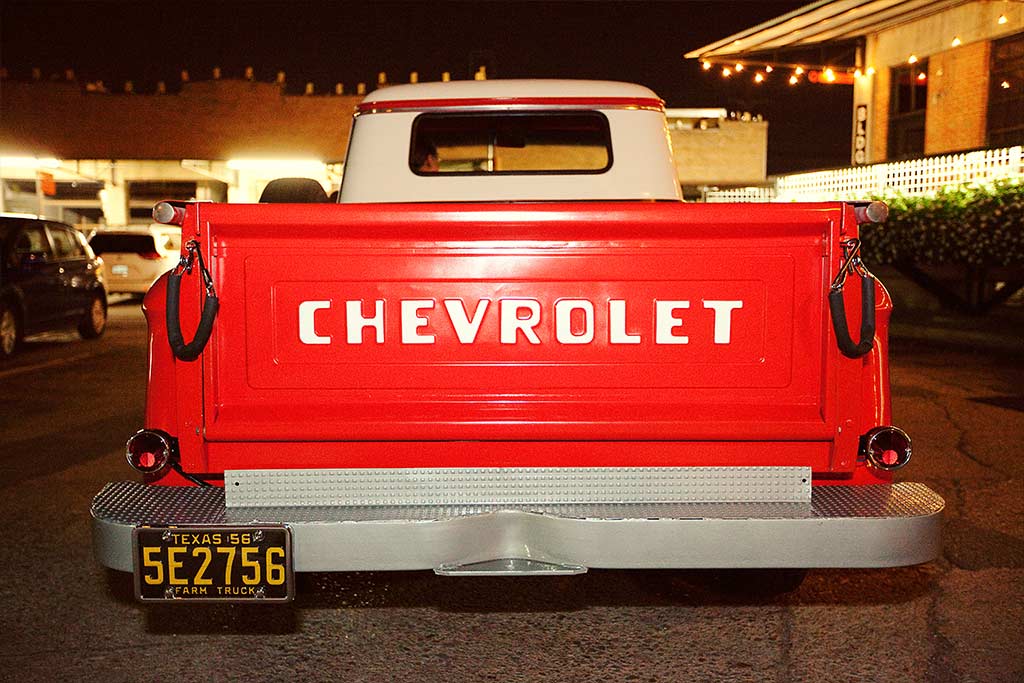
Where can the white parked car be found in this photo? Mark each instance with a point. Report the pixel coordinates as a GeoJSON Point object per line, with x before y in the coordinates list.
{"type": "Point", "coordinates": [136, 256]}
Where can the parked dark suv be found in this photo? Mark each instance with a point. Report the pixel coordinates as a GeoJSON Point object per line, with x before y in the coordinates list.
{"type": "Point", "coordinates": [49, 278]}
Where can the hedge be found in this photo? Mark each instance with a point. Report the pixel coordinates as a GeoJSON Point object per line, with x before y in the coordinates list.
{"type": "Point", "coordinates": [978, 226]}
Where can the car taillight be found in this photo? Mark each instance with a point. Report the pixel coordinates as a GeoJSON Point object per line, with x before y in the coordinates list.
{"type": "Point", "coordinates": [149, 451]}
{"type": "Point", "coordinates": [887, 448]}
{"type": "Point", "coordinates": [150, 255]}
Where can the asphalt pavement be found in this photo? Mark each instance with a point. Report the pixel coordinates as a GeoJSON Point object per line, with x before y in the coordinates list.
{"type": "Point", "coordinates": [67, 405]}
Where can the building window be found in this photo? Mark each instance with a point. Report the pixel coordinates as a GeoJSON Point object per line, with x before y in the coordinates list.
{"type": "Point", "coordinates": [1006, 92]}
{"type": "Point", "coordinates": [163, 189]}
{"type": "Point", "coordinates": [907, 103]}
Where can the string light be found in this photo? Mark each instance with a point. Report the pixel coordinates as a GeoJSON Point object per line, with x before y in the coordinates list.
{"type": "Point", "coordinates": [912, 59]}
{"type": "Point", "coordinates": [1001, 20]}
{"type": "Point", "coordinates": [956, 41]}
{"type": "Point", "coordinates": [1005, 85]}
{"type": "Point", "coordinates": [826, 75]}
{"type": "Point", "coordinates": [921, 76]}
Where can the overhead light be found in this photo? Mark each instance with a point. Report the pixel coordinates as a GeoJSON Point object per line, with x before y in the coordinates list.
{"type": "Point", "coordinates": [956, 42]}
{"type": "Point", "coordinates": [739, 67]}
{"type": "Point", "coordinates": [758, 78]}
{"type": "Point", "coordinates": [921, 76]}
{"type": "Point", "coordinates": [726, 71]}
{"type": "Point", "coordinates": [706, 65]}
{"type": "Point", "coordinates": [799, 71]}
{"type": "Point", "coordinates": [768, 68]}
{"type": "Point", "coordinates": [1001, 20]}
{"type": "Point", "coordinates": [29, 162]}
{"type": "Point", "coordinates": [912, 59]}
{"type": "Point", "coordinates": [281, 167]}
{"type": "Point", "coordinates": [793, 80]}
{"type": "Point", "coordinates": [1005, 85]}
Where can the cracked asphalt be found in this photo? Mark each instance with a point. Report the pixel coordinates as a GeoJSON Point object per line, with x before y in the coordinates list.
{"type": "Point", "coordinates": [958, 389]}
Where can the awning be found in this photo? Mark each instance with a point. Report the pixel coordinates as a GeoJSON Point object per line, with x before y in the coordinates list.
{"type": "Point", "coordinates": [826, 22]}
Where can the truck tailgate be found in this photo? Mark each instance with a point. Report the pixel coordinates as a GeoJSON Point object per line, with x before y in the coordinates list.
{"type": "Point", "coordinates": [719, 334]}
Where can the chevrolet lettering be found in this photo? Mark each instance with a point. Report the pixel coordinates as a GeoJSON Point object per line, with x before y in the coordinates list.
{"type": "Point", "coordinates": [509, 347]}
{"type": "Point", "coordinates": [572, 321]}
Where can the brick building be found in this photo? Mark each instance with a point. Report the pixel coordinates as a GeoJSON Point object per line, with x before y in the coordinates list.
{"type": "Point", "coordinates": [109, 157]}
{"type": "Point", "coordinates": [929, 76]}
{"type": "Point", "coordinates": [712, 147]}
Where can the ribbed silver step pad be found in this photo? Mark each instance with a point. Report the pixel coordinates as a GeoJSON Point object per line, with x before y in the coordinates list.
{"type": "Point", "coordinates": [131, 503]}
{"type": "Point", "coordinates": [515, 486]}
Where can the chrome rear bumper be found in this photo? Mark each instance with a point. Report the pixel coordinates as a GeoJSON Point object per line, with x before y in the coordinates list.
{"type": "Point", "coordinates": [840, 526]}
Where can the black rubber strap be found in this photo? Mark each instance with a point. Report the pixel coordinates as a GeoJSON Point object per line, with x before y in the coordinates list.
{"type": "Point", "coordinates": [867, 319]}
{"type": "Point", "coordinates": [190, 477]}
{"type": "Point", "coordinates": [191, 350]}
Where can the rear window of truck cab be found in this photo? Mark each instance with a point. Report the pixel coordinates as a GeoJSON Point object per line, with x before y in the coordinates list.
{"type": "Point", "coordinates": [504, 143]}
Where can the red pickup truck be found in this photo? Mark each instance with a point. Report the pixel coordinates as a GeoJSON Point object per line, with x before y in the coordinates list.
{"type": "Point", "coordinates": [510, 348]}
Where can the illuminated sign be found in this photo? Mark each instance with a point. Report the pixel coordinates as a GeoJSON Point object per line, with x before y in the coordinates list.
{"type": "Point", "coordinates": [860, 135]}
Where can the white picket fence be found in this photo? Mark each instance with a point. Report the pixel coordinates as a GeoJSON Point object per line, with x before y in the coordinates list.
{"type": "Point", "coordinates": [740, 194]}
{"type": "Point", "coordinates": [912, 177]}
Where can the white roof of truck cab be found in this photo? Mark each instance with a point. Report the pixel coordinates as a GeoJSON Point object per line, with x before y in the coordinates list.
{"type": "Point", "coordinates": [511, 89]}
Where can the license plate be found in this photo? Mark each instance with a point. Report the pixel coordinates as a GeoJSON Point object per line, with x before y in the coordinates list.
{"type": "Point", "coordinates": [120, 270]}
{"type": "Point", "coordinates": [213, 564]}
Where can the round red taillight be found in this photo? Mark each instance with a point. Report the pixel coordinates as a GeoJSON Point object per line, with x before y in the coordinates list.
{"type": "Point", "coordinates": [887, 448]}
{"type": "Point", "coordinates": [148, 451]}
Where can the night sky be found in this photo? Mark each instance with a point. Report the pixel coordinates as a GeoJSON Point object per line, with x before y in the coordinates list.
{"type": "Point", "coordinates": [642, 42]}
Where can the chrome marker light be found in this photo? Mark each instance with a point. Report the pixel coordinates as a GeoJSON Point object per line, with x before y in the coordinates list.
{"type": "Point", "coordinates": [887, 448]}
{"type": "Point", "coordinates": [149, 451]}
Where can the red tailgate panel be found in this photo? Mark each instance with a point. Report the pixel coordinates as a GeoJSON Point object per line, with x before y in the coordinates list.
{"type": "Point", "coordinates": [762, 379]}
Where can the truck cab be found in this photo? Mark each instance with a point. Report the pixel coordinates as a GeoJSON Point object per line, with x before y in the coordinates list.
{"type": "Point", "coordinates": [510, 348]}
{"type": "Point", "coordinates": [510, 141]}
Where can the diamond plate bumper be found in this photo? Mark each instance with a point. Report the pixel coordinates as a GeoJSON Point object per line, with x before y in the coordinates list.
{"type": "Point", "coordinates": [840, 526]}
